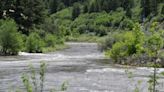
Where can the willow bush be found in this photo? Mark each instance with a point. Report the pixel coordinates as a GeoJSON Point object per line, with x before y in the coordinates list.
{"type": "Point", "coordinates": [10, 39]}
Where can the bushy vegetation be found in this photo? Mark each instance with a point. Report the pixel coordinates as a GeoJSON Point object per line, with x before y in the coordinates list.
{"type": "Point", "coordinates": [54, 21]}
{"type": "Point", "coordinates": [137, 42]}
{"type": "Point", "coordinates": [10, 39]}
{"type": "Point", "coordinates": [34, 43]}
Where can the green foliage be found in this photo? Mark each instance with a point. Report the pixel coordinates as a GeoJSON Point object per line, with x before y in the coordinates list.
{"type": "Point", "coordinates": [30, 81]}
{"type": "Point", "coordinates": [85, 8]}
{"type": "Point", "coordinates": [50, 40]}
{"type": "Point", "coordinates": [53, 6]}
{"type": "Point", "coordinates": [25, 13]}
{"type": "Point", "coordinates": [34, 43]}
{"type": "Point", "coordinates": [95, 6]}
{"type": "Point", "coordinates": [155, 41]}
{"type": "Point", "coordinates": [76, 11]}
{"type": "Point", "coordinates": [49, 26]}
{"type": "Point", "coordinates": [128, 44]}
{"type": "Point", "coordinates": [162, 11]}
{"type": "Point", "coordinates": [117, 17]}
{"type": "Point", "coordinates": [118, 51]}
{"type": "Point", "coordinates": [84, 38]}
{"type": "Point", "coordinates": [42, 76]}
{"type": "Point", "coordinates": [127, 24]}
{"type": "Point", "coordinates": [63, 14]}
{"type": "Point", "coordinates": [26, 83]}
{"type": "Point", "coordinates": [85, 24]}
{"type": "Point", "coordinates": [10, 39]}
{"type": "Point", "coordinates": [64, 86]}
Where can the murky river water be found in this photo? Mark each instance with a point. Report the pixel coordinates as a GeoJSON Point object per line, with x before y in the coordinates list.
{"type": "Point", "coordinates": [82, 65]}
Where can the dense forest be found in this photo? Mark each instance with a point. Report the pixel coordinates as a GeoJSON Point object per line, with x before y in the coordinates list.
{"type": "Point", "coordinates": [124, 28]}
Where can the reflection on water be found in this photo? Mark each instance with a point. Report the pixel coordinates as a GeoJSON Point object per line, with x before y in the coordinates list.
{"type": "Point", "coordinates": [82, 65]}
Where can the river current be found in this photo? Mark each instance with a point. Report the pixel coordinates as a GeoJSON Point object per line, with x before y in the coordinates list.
{"type": "Point", "coordinates": [82, 65]}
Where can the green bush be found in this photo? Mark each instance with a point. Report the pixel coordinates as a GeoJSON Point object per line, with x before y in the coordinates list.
{"type": "Point", "coordinates": [63, 14]}
{"type": "Point", "coordinates": [127, 44]}
{"type": "Point", "coordinates": [117, 17]}
{"type": "Point", "coordinates": [154, 42]}
{"type": "Point", "coordinates": [127, 24]}
{"type": "Point", "coordinates": [50, 40]}
{"type": "Point", "coordinates": [118, 51]}
{"type": "Point", "coordinates": [10, 39]}
{"type": "Point", "coordinates": [109, 41]}
{"type": "Point", "coordinates": [49, 26]}
{"type": "Point", "coordinates": [34, 43]}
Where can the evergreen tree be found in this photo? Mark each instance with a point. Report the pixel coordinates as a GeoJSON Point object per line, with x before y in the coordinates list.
{"type": "Point", "coordinates": [29, 13]}
{"type": "Point", "coordinates": [162, 11]}
{"type": "Point", "coordinates": [127, 5]}
{"type": "Point", "coordinates": [75, 11]}
{"type": "Point", "coordinates": [26, 13]}
{"type": "Point", "coordinates": [85, 8]}
{"type": "Point", "coordinates": [94, 7]}
{"type": "Point", "coordinates": [60, 6]}
{"type": "Point", "coordinates": [149, 7]}
{"type": "Point", "coordinates": [53, 6]}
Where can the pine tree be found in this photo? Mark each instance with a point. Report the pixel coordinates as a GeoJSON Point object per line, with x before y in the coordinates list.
{"type": "Point", "coordinates": [6, 8]}
{"type": "Point", "coordinates": [85, 8]}
{"type": "Point", "coordinates": [75, 11]}
{"type": "Point", "coordinates": [94, 7]}
{"type": "Point", "coordinates": [162, 11]}
{"type": "Point", "coordinates": [127, 5]}
{"type": "Point", "coordinates": [53, 6]}
{"type": "Point", "coordinates": [29, 13]}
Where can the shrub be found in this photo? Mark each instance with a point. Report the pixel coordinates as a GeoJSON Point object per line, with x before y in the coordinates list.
{"type": "Point", "coordinates": [34, 43]}
{"type": "Point", "coordinates": [91, 23]}
{"type": "Point", "coordinates": [127, 24]}
{"type": "Point", "coordinates": [50, 40]}
{"type": "Point", "coordinates": [118, 51]}
{"type": "Point", "coordinates": [75, 10]}
{"type": "Point", "coordinates": [10, 39]}
{"type": "Point", "coordinates": [127, 44]}
{"type": "Point", "coordinates": [50, 26]}
{"type": "Point", "coordinates": [117, 17]}
{"type": "Point", "coordinates": [155, 41]}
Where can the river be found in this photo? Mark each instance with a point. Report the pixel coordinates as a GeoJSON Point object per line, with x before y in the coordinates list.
{"type": "Point", "coordinates": [82, 65]}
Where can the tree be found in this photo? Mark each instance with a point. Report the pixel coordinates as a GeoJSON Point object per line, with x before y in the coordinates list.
{"type": "Point", "coordinates": [94, 7]}
{"type": "Point", "coordinates": [34, 43]}
{"type": "Point", "coordinates": [131, 43]}
{"type": "Point", "coordinates": [10, 39]}
{"type": "Point", "coordinates": [127, 5]}
{"type": "Point", "coordinates": [61, 6]}
{"type": "Point", "coordinates": [26, 13]}
{"type": "Point", "coordinates": [85, 8]}
{"type": "Point", "coordinates": [162, 11]}
{"type": "Point", "coordinates": [75, 11]}
{"type": "Point", "coordinates": [29, 13]}
{"type": "Point", "coordinates": [149, 7]}
{"type": "Point", "coordinates": [154, 44]}
{"type": "Point", "coordinates": [53, 6]}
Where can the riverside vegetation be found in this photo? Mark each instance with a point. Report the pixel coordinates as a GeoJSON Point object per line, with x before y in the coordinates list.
{"type": "Point", "coordinates": [130, 32]}
{"type": "Point", "coordinates": [44, 25]}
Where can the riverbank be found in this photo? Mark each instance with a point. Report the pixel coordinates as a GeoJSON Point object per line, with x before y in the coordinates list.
{"type": "Point", "coordinates": [55, 48]}
{"type": "Point", "coordinates": [85, 38]}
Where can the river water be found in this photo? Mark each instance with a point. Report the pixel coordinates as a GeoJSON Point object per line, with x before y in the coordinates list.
{"type": "Point", "coordinates": [82, 65]}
